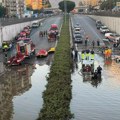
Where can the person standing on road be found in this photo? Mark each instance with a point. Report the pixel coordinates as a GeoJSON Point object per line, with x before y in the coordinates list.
{"type": "Point", "coordinates": [46, 33]}
{"type": "Point", "coordinates": [86, 41]}
{"type": "Point", "coordinates": [93, 43]}
{"type": "Point", "coordinates": [99, 69]}
{"type": "Point", "coordinates": [98, 43]}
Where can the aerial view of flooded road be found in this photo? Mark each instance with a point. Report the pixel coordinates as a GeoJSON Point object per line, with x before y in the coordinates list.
{"type": "Point", "coordinates": [21, 87]}
{"type": "Point", "coordinates": [95, 99]}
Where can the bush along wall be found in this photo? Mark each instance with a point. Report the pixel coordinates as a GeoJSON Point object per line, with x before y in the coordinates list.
{"type": "Point", "coordinates": [57, 95]}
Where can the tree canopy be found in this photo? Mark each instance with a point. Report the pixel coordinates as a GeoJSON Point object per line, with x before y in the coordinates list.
{"type": "Point", "coordinates": [2, 11]}
{"type": "Point", "coordinates": [70, 5]}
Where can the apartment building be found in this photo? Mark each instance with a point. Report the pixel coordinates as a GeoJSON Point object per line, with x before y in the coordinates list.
{"type": "Point", "coordinates": [90, 2]}
{"type": "Point", "coordinates": [14, 7]}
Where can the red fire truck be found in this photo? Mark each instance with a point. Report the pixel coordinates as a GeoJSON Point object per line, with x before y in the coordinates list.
{"type": "Point", "coordinates": [24, 49]}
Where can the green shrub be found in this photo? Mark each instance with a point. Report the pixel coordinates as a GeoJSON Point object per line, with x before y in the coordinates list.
{"type": "Point", "coordinates": [57, 95]}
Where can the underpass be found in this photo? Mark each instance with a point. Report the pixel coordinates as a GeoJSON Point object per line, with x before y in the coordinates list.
{"type": "Point", "coordinates": [95, 99]}
{"type": "Point", "coordinates": [23, 85]}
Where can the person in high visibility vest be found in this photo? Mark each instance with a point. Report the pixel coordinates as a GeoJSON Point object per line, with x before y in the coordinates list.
{"type": "Point", "coordinates": [109, 52]}
{"type": "Point", "coordinates": [92, 55]}
{"type": "Point", "coordinates": [5, 46]}
{"type": "Point", "coordinates": [106, 53]}
{"type": "Point", "coordinates": [83, 55]}
{"type": "Point", "coordinates": [87, 54]}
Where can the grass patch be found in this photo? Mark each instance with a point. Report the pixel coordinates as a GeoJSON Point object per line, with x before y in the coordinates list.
{"type": "Point", "coordinates": [57, 95]}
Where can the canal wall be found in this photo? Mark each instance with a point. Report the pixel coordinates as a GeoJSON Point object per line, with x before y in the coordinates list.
{"type": "Point", "coordinates": [113, 23]}
{"type": "Point", "coordinates": [10, 31]}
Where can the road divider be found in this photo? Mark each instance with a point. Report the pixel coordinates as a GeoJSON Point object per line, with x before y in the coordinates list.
{"type": "Point", "coordinates": [57, 95]}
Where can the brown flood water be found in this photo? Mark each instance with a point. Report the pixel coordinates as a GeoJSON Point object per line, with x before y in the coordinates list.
{"type": "Point", "coordinates": [21, 92]}
{"type": "Point", "coordinates": [27, 106]}
{"type": "Point", "coordinates": [97, 100]}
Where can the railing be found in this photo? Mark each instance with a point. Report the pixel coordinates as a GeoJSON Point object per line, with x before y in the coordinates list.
{"type": "Point", "coordinates": [106, 13]}
{"type": "Point", "coordinates": [9, 21]}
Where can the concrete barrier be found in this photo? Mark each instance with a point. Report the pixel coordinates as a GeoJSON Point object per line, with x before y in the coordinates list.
{"type": "Point", "coordinates": [10, 31]}
{"type": "Point", "coordinates": [113, 23]}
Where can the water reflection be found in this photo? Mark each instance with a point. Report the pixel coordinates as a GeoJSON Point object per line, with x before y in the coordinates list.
{"type": "Point", "coordinates": [14, 81]}
{"type": "Point", "coordinates": [89, 103]}
{"type": "Point", "coordinates": [86, 78]}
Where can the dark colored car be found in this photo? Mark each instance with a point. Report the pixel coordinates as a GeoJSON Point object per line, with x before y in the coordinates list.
{"type": "Point", "coordinates": [98, 26]}
{"type": "Point", "coordinates": [78, 39]}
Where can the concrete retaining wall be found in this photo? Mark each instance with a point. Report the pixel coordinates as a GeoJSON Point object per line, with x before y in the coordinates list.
{"type": "Point", "coordinates": [9, 32]}
{"type": "Point", "coordinates": [113, 23]}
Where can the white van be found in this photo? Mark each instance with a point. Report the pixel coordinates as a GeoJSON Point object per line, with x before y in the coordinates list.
{"type": "Point", "coordinates": [35, 24]}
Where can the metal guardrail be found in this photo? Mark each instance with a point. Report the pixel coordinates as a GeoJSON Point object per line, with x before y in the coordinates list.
{"type": "Point", "coordinates": [10, 21]}
{"type": "Point", "coordinates": [106, 13]}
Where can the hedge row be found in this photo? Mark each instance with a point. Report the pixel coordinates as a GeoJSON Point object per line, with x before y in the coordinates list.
{"type": "Point", "coordinates": [57, 95]}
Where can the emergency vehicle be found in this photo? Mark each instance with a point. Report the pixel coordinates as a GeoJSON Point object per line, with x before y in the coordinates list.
{"type": "Point", "coordinates": [24, 49]}
{"type": "Point", "coordinates": [52, 36]}
{"type": "Point", "coordinates": [54, 28]}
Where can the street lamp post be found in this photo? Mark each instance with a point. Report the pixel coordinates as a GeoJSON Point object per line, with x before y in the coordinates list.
{"type": "Point", "coordinates": [1, 32]}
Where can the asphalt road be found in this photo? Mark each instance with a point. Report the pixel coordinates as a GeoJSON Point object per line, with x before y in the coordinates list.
{"type": "Point", "coordinates": [95, 99]}
{"type": "Point", "coordinates": [89, 29]}
{"type": "Point", "coordinates": [40, 42]}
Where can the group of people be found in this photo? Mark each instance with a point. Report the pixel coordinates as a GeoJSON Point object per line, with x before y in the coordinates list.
{"type": "Point", "coordinates": [43, 33]}
{"type": "Point", "coordinates": [92, 42]}
{"type": "Point", "coordinates": [87, 55]}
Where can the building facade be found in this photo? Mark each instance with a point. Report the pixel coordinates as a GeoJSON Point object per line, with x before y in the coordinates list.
{"type": "Point", "coordinates": [90, 2]}
{"type": "Point", "coordinates": [14, 7]}
{"type": "Point", "coordinates": [36, 4]}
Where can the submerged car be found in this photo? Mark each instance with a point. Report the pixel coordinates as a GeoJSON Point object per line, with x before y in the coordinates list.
{"type": "Point", "coordinates": [112, 36]}
{"type": "Point", "coordinates": [104, 29]}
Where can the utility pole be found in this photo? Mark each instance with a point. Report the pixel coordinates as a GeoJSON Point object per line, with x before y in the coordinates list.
{"type": "Point", "coordinates": [65, 9]}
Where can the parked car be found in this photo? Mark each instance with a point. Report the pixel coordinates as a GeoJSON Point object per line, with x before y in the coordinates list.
{"type": "Point", "coordinates": [98, 22]}
{"type": "Point", "coordinates": [35, 24]}
{"type": "Point", "coordinates": [76, 30]}
{"type": "Point", "coordinates": [112, 36]}
{"type": "Point", "coordinates": [98, 26]}
{"type": "Point", "coordinates": [78, 39]}
{"type": "Point", "coordinates": [77, 25]}
{"type": "Point", "coordinates": [104, 29]}
{"type": "Point", "coordinates": [77, 34]}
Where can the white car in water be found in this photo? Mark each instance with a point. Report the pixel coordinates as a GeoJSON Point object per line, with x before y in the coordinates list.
{"type": "Point", "coordinates": [112, 36]}
{"type": "Point", "coordinates": [104, 29]}
{"type": "Point", "coordinates": [35, 24]}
